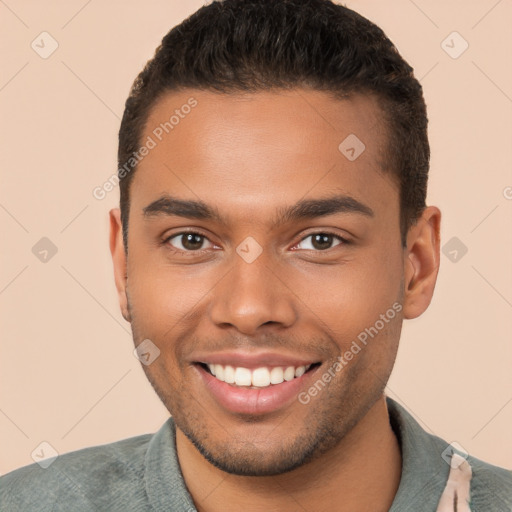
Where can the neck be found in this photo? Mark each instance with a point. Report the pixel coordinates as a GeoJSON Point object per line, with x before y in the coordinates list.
{"type": "Point", "coordinates": [361, 473]}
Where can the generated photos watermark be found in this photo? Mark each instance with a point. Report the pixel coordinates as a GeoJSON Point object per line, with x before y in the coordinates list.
{"type": "Point", "coordinates": [151, 142]}
{"type": "Point", "coordinates": [356, 346]}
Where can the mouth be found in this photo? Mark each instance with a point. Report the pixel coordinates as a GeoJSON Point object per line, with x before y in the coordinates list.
{"type": "Point", "coordinates": [262, 377]}
{"type": "Point", "coordinates": [255, 391]}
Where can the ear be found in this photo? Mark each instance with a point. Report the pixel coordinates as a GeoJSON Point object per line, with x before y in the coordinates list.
{"type": "Point", "coordinates": [119, 260]}
{"type": "Point", "coordinates": [421, 262]}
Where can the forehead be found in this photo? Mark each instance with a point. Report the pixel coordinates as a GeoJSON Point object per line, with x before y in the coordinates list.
{"type": "Point", "coordinates": [259, 150]}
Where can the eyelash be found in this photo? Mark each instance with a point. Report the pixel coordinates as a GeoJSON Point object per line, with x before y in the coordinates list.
{"type": "Point", "coordinates": [165, 242]}
{"type": "Point", "coordinates": [342, 240]}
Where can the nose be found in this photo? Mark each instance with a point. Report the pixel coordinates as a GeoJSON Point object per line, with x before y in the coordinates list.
{"type": "Point", "coordinates": [252, 296]}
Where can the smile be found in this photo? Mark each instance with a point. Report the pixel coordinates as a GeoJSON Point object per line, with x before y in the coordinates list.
{"type": "Point", "coordinates": [254, 391]}
{"type": "Point", "coordinates": [257, 378]}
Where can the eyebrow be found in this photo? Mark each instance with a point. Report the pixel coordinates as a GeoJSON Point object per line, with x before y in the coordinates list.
{"type": "Point", "coordinates": [303, 209]}
{"type": "Point", "coordinates": [322, 207]}
{"type": "Point", "coordinates": [172, 206]}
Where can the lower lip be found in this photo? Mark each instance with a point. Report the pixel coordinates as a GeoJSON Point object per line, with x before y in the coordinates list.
{"type": "Point", "coordinates": [253, 401]}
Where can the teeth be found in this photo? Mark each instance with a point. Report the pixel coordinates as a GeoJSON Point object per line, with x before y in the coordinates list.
{"type": "Point", "coordinates": [219, 371]}
{"type": "Point", "coordinates": [229, 374]}
{"type": "Point", "coordinates": [242, 376]}
{"type": "Point", "coordinates": [276, 375]}
{"type": "Point", "coordinates": [260, 377]}
{"type": "Point", "coordinates": [299, 371]}
{"type": "Point", "coordinates": [289, 373]}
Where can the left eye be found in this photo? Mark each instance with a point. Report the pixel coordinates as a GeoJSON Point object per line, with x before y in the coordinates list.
{"type": "Point", "coordinates": [320, 241]}
{"type": "Point", "coordinates": [187, 241]}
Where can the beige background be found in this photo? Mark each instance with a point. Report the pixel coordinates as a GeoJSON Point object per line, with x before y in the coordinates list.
{"type": "Point", "coordinates": [68, 374]}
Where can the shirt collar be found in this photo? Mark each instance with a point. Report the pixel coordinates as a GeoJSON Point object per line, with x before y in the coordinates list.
{"type": "Point", "coordinates": [163, 480]}
{"type": "Point", "coordinates": [424, 471]}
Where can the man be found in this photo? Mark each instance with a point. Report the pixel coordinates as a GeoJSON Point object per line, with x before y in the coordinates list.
{"type": "Point", "coordinates": [271, 238]}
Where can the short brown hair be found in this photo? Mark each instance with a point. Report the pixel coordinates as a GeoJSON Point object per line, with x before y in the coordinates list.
{"type": "Point", "coordinates": [255, 45]}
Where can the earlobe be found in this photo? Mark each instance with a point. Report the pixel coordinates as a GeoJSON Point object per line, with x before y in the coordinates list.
{"type": "Point", "coordinates": [421, 262]}
{"type": "Point", "coordinates": [119, 260]}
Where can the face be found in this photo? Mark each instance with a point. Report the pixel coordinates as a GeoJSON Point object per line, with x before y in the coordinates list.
{"type": "Point", "coordinates": [257, 250]}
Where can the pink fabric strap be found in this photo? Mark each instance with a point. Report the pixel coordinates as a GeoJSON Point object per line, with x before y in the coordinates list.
{"type": "Point", "coordinates": [456, 494]}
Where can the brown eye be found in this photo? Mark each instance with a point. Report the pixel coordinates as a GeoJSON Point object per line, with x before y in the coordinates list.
{"type": "Point", "coordinates": [320, 241]}
{"type": "Point", "coordinates": [187, 241]}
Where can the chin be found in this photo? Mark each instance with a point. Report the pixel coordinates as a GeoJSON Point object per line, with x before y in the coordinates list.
{"type": "Point", "coordinates": [249, 461]}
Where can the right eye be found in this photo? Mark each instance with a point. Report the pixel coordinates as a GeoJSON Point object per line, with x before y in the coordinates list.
{"type": "Point", "coordinates": [188, 241]}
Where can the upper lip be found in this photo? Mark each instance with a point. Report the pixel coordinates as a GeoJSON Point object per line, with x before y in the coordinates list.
{"type": "Point", "coordinates": [253, 360]}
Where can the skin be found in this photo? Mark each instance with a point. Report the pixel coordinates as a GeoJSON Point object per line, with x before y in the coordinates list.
{"type": "Point", "coordinates": [249, 156]}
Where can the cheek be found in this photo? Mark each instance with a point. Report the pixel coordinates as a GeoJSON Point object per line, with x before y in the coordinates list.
{"type": "Point", "coordinates": [163, 296]}
{"type": "Point", "coordinates": [349, 297]}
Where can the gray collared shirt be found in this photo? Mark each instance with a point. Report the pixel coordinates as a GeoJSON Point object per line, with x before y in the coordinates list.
{"type": "Point", "coordinates": [143, 474]}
